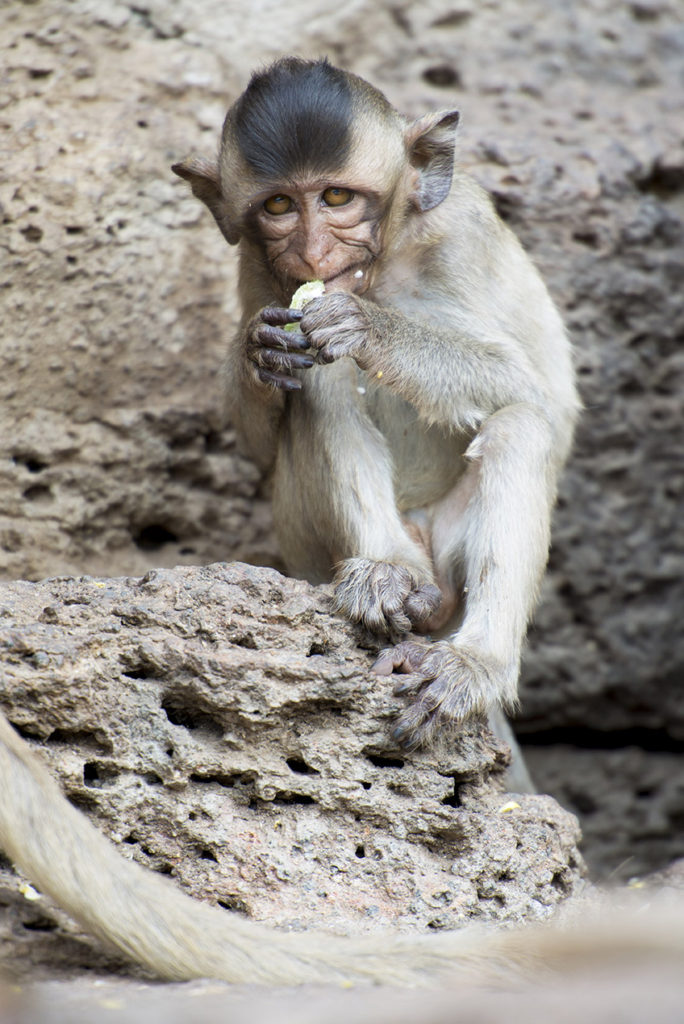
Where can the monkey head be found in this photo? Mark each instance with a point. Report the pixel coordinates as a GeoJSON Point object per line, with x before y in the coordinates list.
{"type": "Point", "coordinates": [315, 167]}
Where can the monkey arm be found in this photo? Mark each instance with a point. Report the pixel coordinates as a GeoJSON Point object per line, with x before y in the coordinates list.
{"type": "Point", "coordinates": [490, 534]}
{"type": "Point", "coordinates": [454, 375]}
{"type": "Point", "coordinates": [262, 365]}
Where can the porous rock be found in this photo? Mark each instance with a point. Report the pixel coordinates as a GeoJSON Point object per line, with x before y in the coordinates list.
{"type": "Point", "coordinates": [222, 726]}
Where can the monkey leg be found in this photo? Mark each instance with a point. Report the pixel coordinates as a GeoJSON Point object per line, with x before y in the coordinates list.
{"type": "Point", "coordinates": [335, 508]}
{"type": "Point", "coordinates": [491, 532]}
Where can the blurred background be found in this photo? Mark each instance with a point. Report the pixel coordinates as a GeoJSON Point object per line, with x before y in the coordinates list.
{"type": "Point", "coordinates": [118, 296]}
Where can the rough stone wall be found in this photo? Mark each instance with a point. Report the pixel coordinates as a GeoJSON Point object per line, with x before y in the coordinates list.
{"type": "Point", "coordinates": [117, 297]}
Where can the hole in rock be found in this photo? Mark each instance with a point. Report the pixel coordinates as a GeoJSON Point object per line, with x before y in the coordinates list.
{"type": "Point", "coordinates": [96, 775]}
{"type": "Point", "coordinates": [245, 640]}
{"type": "Point", "coordinates": [190, 717]}
{"type": "Point", "coordinates": [228, 781]}
{"type": "Point", "coordinates": [39, 492]}
{"type": "Point", "coordinates": [454, 799]}
{"type": "Point", "coordinates": [33, 465]}
{"type": "Point", "coordinates": [77, 738]}
{"type": "Point", "coordinates": [40, 924]}
{"type": "Point", "coordinates": [382, 761]}
{"type": "Point", "coordinates": [234, 904]}
{"type": "Point", "coordinates": [560, 883]}
{"type": "Point", "coordinates": [296, 764]}
{"type": "Point", "coordinates": [283, 797]}
{"type": "Point", "coordinates": [153, 537]}
{"type": "Point", "coordinates": [442, 75]}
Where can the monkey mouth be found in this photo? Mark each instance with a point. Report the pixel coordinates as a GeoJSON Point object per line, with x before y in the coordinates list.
{"type": "Point", "coordinates": [354, 278]}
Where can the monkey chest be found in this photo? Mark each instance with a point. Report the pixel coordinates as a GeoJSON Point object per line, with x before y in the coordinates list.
{"type": "Point", "coordinates": [426, 459]}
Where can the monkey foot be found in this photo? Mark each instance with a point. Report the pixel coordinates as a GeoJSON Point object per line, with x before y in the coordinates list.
{"type": "Point", "coordinates": [383, 597]}
{"type": "Point", "coordinates": [448, 684]}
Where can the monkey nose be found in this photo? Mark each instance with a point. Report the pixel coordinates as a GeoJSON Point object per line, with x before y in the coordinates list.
{"type": "Point", "coordinates": [318, 265]}
{"type": "Point", "coordinates": [316, 253]}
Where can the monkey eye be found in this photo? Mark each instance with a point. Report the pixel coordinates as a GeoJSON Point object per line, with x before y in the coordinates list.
{"type": "Point", "coordinates": [278, 204]}
{"type": "Point", "coordinates": [337, 196]}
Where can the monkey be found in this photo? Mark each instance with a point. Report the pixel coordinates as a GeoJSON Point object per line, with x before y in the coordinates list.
{"type": "Point", "coordinates": [154, 924]}
{"type": "Point", "coordinates": [414, 427]}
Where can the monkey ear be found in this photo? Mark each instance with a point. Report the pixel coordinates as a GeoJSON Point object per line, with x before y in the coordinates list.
{"type": "Point", "coordinates": [206, 185]}
{"type": "Point", "coordinates": [430, 142]}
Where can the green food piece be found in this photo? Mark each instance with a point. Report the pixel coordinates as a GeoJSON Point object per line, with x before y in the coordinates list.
{"type": "Point", "coordinates": [305, 293]}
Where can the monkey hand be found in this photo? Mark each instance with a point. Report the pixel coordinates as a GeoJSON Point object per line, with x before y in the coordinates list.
{"type": "Point", "coordinates": [337, 326]}
{"type": "Point", "coordinates": [274, 353]}
{"type": "Point", "coordinates": [448, 684]}
{"type": "Point", "coordinates": [384, 597]}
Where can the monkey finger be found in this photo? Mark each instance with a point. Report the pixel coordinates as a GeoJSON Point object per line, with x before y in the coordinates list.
{"type": "Point", "coordinates": [330, 350]}
{"type": "Point", "coordinates": [279, 380]}
{"type": "Point", "coordinates": [410, 685]}
{"type": "Point", "coordinates": [286, 340]}
{"type": "Point", "coordinates": [326, 355]}
{"type": "Point", "coordinates": [413, 728]}
{"type": "Point", "coordinates": [424, 717]}
{"type": "Point", "coordinates": [275, 359]}
{"type": "Point", "coordinates": [278, 316]}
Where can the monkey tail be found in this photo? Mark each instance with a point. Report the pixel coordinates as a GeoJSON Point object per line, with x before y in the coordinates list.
{"type": "Point", "coordinates": [178, 938]}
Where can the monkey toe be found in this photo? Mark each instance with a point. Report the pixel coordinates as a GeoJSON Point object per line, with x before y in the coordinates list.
{"type": "Point", "coordinates": [422, 603]}
{"type": "Point", "coordinates": [417, 726]}
{"type": "Point", "coordinates": [427, 715]}
{"type": "Point", "coordinates": [404, 657]}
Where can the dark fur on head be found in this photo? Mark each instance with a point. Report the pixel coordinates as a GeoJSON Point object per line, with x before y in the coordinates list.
{"type": "Point", "coordinates": [294, 116]}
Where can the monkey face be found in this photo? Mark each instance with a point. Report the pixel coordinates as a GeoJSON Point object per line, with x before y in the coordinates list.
{"type": "Point", "coordinates": [318, 229]}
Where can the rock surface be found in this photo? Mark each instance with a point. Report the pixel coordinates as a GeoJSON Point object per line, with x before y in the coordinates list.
{"type": "Point", "coordinates": [118, 294]}
{"type": "Point", "coordinates": [223, 727]}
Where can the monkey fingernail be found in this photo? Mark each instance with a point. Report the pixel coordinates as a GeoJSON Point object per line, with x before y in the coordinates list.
{"type": "Point", "coordinates": [278, 381]}
{"type": "Point", "coordinates": [383, 666]}
{"type": "Point", "coordinates": [402, 735]}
